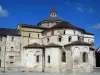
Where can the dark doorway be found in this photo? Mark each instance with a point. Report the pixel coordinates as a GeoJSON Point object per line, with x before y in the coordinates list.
{"type": "Point", "coordinates": [97, 55]}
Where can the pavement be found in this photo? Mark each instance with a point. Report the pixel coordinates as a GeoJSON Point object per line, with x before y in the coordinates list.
{"type": "Point", "coordinates": [92, 73]}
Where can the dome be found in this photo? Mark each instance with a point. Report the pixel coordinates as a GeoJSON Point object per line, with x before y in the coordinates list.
{"type": "Point", "coordinates": [52, 19]}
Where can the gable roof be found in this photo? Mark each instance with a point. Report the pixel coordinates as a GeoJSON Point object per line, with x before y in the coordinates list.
{"type": "Point", "coordinates": [78, 43]}
{"type": "Point", "coordinates": [53, 45]}
{"type": "Point", "coordinates": [12, 32]}
{"type": "Point", "coordinates": [34, 45]}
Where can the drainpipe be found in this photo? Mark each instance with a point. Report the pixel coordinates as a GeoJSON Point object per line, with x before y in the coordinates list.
{"type": "Point", "coordinates": [5, 55]}
{"type": "Point", "coordinates": [43, 61]}
{"type": "Point", "coordinates": [43, 57]}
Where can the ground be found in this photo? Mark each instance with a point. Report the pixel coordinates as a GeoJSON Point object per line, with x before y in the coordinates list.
{"type": "Point", "coordinates": [93, 73]}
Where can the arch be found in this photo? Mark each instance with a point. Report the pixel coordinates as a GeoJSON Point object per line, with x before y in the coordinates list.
{"type": "Point", "coordinates": [64, 56]}
{"type": "Point", "coordinates": [76, 52]}
{"type": "Point", "coordinates": [69, 38]}
{"type": "Point", "coordinates": [85, 49]}
{"type": "Point", "coordinates": [76, 55]}
{"type": "Point", "coordinates": [85, 57]}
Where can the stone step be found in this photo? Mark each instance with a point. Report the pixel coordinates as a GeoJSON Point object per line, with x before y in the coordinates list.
{"type": "Point", "coordinates": [97, 69]}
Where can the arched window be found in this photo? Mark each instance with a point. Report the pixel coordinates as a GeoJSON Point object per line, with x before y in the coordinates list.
{"type": "Point", "coordinates": [60, 39]}
{"type": "Point", "coordinates": [69, 38]}
{"type": "Point", "coordinates": [63, 57]}
{"type": "Point", "coordinates": [85, 56]}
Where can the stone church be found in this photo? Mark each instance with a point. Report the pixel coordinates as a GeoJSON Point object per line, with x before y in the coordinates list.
{"type": "Point", "coordinates": [53, 45]}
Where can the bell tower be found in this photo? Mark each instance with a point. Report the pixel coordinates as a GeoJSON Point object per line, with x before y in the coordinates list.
{"type": "Point", "coordinates": [53, 13]}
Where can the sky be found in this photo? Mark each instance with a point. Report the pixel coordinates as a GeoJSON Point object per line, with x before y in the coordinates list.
{"type": "Point", "coordinates": [82, 13]}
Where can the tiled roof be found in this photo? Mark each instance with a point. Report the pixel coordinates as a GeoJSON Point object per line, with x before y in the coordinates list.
{"type": "Point", "coordinates": [51, 19]}
{"type": "Point", "coordinates": [31, 26]}
{"type": "Point", "coordinates": [34, 45]}
{"type": "Point", "coordinates": [78, 43]}
{"type": "Point", "coordinates": [66, 25]}
{"type": "Point", "coordinates": [53, 45]}
{"type": "Point", "coordinates": [12, 32]}
{"type": "Point", "coordinates": [89, 33]}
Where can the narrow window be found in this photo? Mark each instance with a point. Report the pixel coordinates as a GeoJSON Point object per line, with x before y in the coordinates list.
{"type": "Point", "coordinates": [47, 40]}
{"type": "Point", "coordinates": [48, 59]}
{"type": "Point", "coordinates": [85, 56]}
{"type": "Point", "coordinates": [79, 39]}
{"type": "Point", "coordinates": [82, 38]}
{"type": "Point", "coordinates": [60, 39]}
{"type": "Point", "coordinates": [63, 57]}
{"type": "Point", "coordinates": [52, 32]}
{"type": "Point", "coordinates": [37, 58]}
{"type": "Point", "coordinates": [38, 35]}
{"type": "Point", "coordinates": [0, 38]}
{"type": "Point", "coordinates": [12, 39]}
{"type": "Point", "coordinates": [54, 14]}
{"type": "Point", "coordinates": [69, 38]}
{"type": "Point", "coordinates": [11, 57]}
{"type": "Point", "coordinates": [64, 31]}
{"type": "Point", "coordinates": [11, 62]}
{"type": "Point", "coordinates": [0, 63]}
{"type": "Point", "coordinates": [0, 48]}
{"type": "Point", "coordinates": [12, 48]}
{"type": "Point", "coordinates": [29, 34]}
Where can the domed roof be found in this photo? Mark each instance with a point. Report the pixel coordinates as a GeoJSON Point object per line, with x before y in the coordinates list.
{"type": "Point", "coordinates": [53, 18]}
